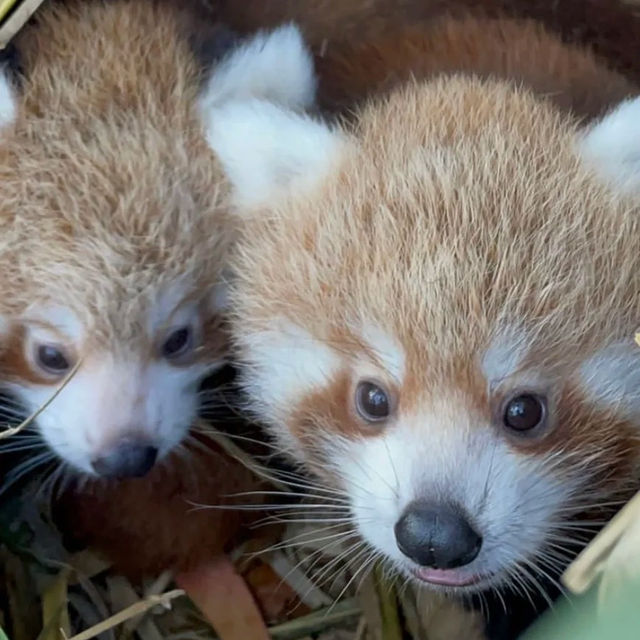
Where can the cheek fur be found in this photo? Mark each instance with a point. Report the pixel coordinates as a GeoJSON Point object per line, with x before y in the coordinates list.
{"type": "Point", "coordinates": [586, 439]}
{"type": "Point", "coordinates": [92, 412]}
{"type": "Point", "coordinates": [519, 500]}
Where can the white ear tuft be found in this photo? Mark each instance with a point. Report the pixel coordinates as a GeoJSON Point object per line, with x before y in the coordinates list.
{"type": "Point", "coordinates": [7, 101]}
{"type": "Point", "coordinates": [612, 377]}
{"type": "Point", "coordinates": [268, 152]}
{"type": "Point", "coordinates": [274, 66]}
{"type": "Point", "coordinates": [612, 146]}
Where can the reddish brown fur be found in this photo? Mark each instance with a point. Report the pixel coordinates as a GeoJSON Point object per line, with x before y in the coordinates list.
{"type": "Point", "coordinates": [14, 366]}
{"type": "Point", "coordinates": [108, 162]}
{"type": "Point", "coordinates": [522, 52]}
{"type": "Point", "coordinates": [611, 27]}
{"type": "Point", "coordinates": [455, 207]}
{"type": "Point", "coordinates": [146, 526]}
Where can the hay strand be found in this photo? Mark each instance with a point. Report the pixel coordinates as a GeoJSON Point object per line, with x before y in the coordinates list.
{"type": "Point", "coordinates": [12, 431]}
{"type": "Point", "coordinates": [137, 609]}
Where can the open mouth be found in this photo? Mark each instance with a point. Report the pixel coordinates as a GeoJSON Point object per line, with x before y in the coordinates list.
{"type": "Point", "coordinates": [447, 577]}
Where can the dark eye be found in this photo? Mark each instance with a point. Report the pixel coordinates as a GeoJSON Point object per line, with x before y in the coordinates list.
{"type": "Point", "coordinates": [524, 412]}
{"type": "Point", "coordinates": [372, 402]}
{"type": "Point", "coordinates": [52, 359]}
{"type": "Point", "coordinates": [177, 343]}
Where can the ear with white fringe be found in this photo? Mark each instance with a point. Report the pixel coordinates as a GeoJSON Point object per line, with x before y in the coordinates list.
{"type": "Point", "coordinates": [7, 101]}
{"type": "Point", "coordinates": [612, 378]}
{"type": "Point", "coordinates": [268, 152]}
{"type": "Point", "coordinates": [612, 146]}
{"type": "Point", "coordinates": [275, 66]}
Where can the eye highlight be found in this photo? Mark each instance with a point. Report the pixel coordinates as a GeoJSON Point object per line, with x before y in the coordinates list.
{"type": "Point", "coordinates": [524, 412]}
{"type": "Point", "coordinates": [177, 343]}
{"type": "Point", "coordinates": [52, 359]}
{"type": "Point", "coordinates": [372, 401]}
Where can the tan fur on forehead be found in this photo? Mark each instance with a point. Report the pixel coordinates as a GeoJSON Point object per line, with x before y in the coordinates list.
{"type": "Point", "coordinates": [108, 191]}
{"type": "Point", "coordinates": [462, 199]}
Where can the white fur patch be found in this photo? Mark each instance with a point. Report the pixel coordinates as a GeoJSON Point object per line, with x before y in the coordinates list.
{"type": "Point", "coordinates": [7, 101]}
{"type": "Point", "coordinates": [504, 354]}
{"type": "Point", "coordinates": [111, 396]}
{"type": "Point", "coordinates": [111, 399]}
{"type": "Point", "coordinates": [444, 456]}
{"type": "Point", "coordinates": [54, 323]}
{"type": "Point", "coordinates": [612, 146]}
{"type": "Point", "coordinates": [274, 66]}
{"type": "Point", "coordinates": [387, 350]}
{"type": "Point", "coordinates": [171, 309]}
{"type": "Point", "coordinates": [287, 362]}
{"type": "Point", "coordinates": [612, 377]}
{"type": "Point", "coordinates": [268, 152]}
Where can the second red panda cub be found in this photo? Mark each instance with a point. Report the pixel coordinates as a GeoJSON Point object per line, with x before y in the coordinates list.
{"type": "Point", "coordinates": [114, 235]}
{"type": "Point", "coordinates": [434, 305]}
{"type": "Point", "coordinates": [114, 224]}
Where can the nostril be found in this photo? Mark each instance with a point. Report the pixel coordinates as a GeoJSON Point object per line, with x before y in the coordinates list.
{"type": "Point", "coordinates": [436, 536]}
{"type": "Point", "coordinates": [126, 460]}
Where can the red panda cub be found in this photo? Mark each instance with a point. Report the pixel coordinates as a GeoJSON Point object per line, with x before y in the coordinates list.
{"type": "Point", "coordinates": [115, 232]}
{"type": "Point", "coordinates": [611, 27]}
{"type": "Point", "coordinates": [434, 304]}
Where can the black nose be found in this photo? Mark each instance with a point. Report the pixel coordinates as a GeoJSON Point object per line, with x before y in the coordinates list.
{"type": "Point", "coordinates": [436, 536]}
{"type": "Point", "coordinates": [126, 460]}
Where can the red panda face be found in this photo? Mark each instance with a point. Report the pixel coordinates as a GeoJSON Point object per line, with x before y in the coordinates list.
{"type": "Point", "coordinates": [125, 405]}
{"type": "Point", "coordinates": [434, 312]}
{"type": "Point", "coordinates": [468, 472]}
{"type": "Point", "coordinates": [115, 226]}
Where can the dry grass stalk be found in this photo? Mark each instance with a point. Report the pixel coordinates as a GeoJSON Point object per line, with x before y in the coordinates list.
{"type": "Point", "coordinates": [12, 431]}
{"type": "Point", "coordinates": [18, 16]}
{"type": "Point", "coordinates": [137, 609]}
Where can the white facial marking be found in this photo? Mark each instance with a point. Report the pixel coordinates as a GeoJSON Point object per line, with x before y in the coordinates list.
{"type": "Point", "coordinates": [268, 152]}
{"type": "Point", "coordinates": [53, 322]}
{"type": "Point", "coordinates": [287, 363]}
{"type": "Point", "coordinates": [111, 397]}
{"type": "Point", "coordinates": [171, 312]}
{"type": "Point", "coordinates": [612, 377]}
{"type": "Point", "coordinates": [386, 349]}
{"type": "Point", "coordinates": [7, 101]}
{"type": "Point", "coordinates": [504, 354]}
{"type": "Point", "coordinates": [612, 146]}
{"type": "Point", "coordinates": [275, 66]}
{"type": "Point", "coordinates": [107, 401]}
{"type": "Point", "coordinates": [440, 457]}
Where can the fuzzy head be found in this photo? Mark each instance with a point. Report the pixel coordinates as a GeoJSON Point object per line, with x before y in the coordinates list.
{"type": "Point", "coordinates": [114, 226]}
{"type": "Point", "coordinates": [434, 312]}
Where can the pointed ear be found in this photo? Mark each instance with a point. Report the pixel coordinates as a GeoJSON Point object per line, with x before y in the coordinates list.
{"type": "Point", "coordinates": [268, 152]}
{"type": "Point", "coordinates": [612, 377]}
{"type": "Point", "coordinates": [612, 146]}
{"type": "Point", "coordinates": [7, 101]}
{"type": "Point", "coordinates": [274, 66]}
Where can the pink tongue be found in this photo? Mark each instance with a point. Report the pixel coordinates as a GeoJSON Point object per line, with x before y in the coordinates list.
{"type": "Point", "coordinates": [446, 577]}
